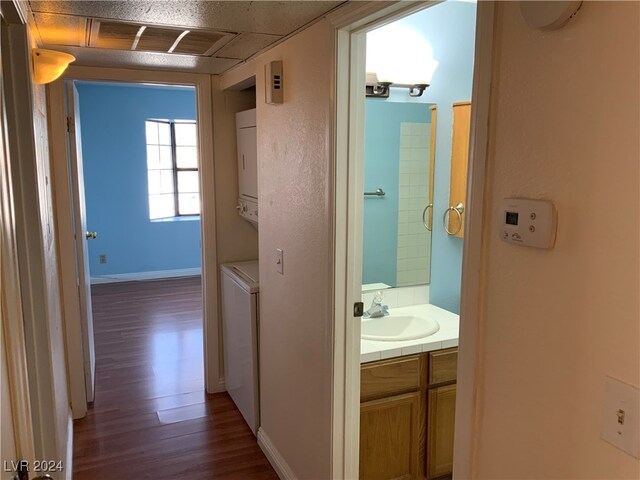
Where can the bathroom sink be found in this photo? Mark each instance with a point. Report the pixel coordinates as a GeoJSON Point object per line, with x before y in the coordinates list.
{"type": "Point", "coordinates": [395, 328]}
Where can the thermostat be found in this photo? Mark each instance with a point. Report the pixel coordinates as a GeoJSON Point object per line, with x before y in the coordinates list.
{"type": "Point", "coordinates": [531, 223]}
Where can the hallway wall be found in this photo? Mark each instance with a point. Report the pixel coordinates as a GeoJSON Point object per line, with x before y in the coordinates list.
{"type": "Point", "coordinates": [556, 322]}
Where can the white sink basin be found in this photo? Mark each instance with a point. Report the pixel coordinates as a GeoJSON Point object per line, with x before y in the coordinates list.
{"type": "Point", "coordinates": [395, 328]}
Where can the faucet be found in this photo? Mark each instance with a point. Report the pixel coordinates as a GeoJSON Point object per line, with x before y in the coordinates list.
{"type": "Point", "coordinates": [377, 309]}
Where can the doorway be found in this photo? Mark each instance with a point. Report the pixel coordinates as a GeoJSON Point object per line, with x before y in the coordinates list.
{"type": "Point", "coordinates": [76, 326]}
{"type": "Point", "coordinates": [437, 212]}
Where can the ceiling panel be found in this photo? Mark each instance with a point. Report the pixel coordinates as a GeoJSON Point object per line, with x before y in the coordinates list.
{"type": "Point", "coordinates": [61, 29]}
{"type": "Point", "coordinates": [275, 18]}
{"type": "Point", "coordinates": [150, 60]}
{"type": "Point", "coordinates": [247, 44]}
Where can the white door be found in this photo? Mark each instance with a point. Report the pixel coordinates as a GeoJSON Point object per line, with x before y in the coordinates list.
{"type": "Point", "coordinates": [82, 235]}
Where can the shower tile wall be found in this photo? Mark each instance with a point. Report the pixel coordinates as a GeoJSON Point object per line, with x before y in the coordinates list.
{"type": "Point", "coordinates": [414, 241]}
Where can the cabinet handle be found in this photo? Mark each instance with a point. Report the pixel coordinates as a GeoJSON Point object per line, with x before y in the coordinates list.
{"type": "Point", "coordinates": [243, 161]}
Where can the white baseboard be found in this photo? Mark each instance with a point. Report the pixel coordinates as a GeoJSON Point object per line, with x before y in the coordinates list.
{"type": "Point", "coordinates": [68, 466]}
{"type": "Point", "coordinates": [275, 459]}
{"type": "Point", "coordinates": [133, 277]}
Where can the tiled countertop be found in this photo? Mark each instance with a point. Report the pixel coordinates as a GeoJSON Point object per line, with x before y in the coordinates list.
{"type": "Point", "coordinates": [446, 337]}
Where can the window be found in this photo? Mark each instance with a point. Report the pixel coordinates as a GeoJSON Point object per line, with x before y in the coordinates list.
{"type": "Point", "coordinates": [172, 166]}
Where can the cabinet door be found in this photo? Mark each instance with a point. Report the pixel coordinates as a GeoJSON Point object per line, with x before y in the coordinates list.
{"type": "Point", "coordinates": [441, 408]}
{"type": "Point", "coordinates": [389, 438]}
{"type": "Point", "coordinates": [247, 162]}
{"type": "Point", "coordinates": [459, 165]}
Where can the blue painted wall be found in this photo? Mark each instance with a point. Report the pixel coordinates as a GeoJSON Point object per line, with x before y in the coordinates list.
{"type": "Point", "coordinates": [449, 28]}
{"type": "Point", "coordinates": [382, 170]}
{"type": "Point", "coordinates": [112, 119]}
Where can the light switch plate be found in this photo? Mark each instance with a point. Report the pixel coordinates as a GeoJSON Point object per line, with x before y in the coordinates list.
{"type": "Point", "coordinates": [279, 261]}
{"type": "Point", "coordinates": [621, 416]}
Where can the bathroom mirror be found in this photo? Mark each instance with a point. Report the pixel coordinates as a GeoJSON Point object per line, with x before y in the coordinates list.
{"type": "Point", "coordinates": [398, 188]}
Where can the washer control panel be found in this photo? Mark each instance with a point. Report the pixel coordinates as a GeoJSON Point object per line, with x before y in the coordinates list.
{"type": "Point", "coordinates": [248, 209]}
{"type": "Point", "coordinates": [527, 222]}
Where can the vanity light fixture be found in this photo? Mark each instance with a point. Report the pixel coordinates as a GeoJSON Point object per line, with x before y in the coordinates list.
{"type": "Point", "coordinates": [48, 65]}
{"type": "Point", "coordinates": [400, 57]}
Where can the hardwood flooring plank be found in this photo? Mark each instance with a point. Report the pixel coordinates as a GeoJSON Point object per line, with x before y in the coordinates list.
{"type": "Point", "coordinates": [149, 359]}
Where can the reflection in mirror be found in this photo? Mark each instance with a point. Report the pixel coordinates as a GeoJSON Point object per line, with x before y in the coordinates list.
{"type": "Point", "coordinates": [399, 163]}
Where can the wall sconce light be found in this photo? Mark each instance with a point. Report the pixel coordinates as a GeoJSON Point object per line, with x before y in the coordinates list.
{"type": "Point", "coordinates": [400, 57]}
{"type": "Point", "coordinates": [375, 88]}
{"type": "Point", "coordinates": [48, 65]}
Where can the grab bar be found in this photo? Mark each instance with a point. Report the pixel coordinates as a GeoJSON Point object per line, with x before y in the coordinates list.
{"type": "Point", "coordinates": [378, 193]}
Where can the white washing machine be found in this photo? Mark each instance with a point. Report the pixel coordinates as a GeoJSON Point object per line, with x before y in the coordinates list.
{"type": "Point", "coordinates": [240, 323]}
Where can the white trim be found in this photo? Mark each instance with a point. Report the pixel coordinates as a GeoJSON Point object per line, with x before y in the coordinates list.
{"type": "Point", "coordinates": [348, 192]}
{"type": "Point", "coordinates": [469, 346]}
{"type": "Point", "coordinates": [13, 326]}
{"type": "Point", "coordinates": [276, 460]}
{"type": "Point", "coordinates": [140, 276]}
{"type": "Point", "coordinates": [214, 381]}
{"type": "Point", "coordinates": [68, 465]}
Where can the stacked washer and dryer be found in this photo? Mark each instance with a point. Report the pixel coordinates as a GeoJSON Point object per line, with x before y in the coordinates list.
{"type": "Point", "coordinates": [240, 289]}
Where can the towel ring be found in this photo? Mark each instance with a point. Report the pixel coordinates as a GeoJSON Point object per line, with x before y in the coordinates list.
{"type": "Point", "coordinates": [424, 213]}
{"type": "Point", "coordinates": [459, 209]}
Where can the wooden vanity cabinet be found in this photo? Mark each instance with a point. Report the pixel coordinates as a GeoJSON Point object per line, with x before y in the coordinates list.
{"type": "Point", "coordinates": [407, 416]}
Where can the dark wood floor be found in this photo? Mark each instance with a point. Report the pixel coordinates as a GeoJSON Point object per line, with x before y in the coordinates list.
{"type": "Point", "coordinates": [149, 359]}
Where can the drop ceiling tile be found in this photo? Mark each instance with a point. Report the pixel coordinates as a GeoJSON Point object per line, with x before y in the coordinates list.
{"type": "Point", "coordinates": [270, 17]}
{"type": "Point", "coordinates": [219, 65]}
{"type": "Point", "coordinates": [61, 29]}
{"type": "Point", "coordinates": [246, 44]}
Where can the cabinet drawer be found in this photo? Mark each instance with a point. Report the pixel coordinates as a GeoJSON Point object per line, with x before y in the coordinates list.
{"type": "Point", "coordinates": [390, 377]}
{"type": "Point", "coordinates": [443, 366]}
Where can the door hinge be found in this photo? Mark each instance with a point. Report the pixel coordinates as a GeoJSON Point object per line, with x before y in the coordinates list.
{"type": "Point", "coordinates": [69, 125]}
{"type": "Point", "coordinates": [358, 309]}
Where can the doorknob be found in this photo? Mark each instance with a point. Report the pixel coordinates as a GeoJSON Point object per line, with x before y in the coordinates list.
{"type": "Point", "coordinates": [90, 235]}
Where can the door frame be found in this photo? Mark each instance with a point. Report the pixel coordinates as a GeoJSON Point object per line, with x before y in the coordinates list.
{"type": "Point", "coordinates": [11, 302]}
{"type": "Point", "coordinates": [214, 375]}
{"type": "Point", "coordinates": [348, 202]}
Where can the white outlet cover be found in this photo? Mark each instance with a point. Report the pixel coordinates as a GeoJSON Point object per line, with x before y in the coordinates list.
{"type": "Point", "coordinates": [621, 397]}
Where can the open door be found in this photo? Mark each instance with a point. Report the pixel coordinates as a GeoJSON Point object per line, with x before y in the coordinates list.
{"type": "Point", "coordinates": [16, 440]}
{"type": "Point", "coordinates": [82, 235]}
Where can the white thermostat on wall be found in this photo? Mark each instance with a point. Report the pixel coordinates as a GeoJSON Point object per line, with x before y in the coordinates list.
{"type": "Point", "coordinates": [531, 223]}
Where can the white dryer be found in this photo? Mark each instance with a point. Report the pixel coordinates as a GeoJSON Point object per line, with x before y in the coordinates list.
{"type": "Point", "coordinates": [240, 307]}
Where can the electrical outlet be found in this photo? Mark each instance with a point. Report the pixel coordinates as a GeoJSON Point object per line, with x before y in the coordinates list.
{"type": "Point", "coordinates": [621, 416]}
{"type": "Point", "coordinates": [103, 258]}
{"type": "Point", "coordinates": [279, 261]}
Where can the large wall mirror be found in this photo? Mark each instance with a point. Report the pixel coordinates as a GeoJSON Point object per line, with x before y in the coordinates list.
{"type": "Point", "coordinates": [398, 184]}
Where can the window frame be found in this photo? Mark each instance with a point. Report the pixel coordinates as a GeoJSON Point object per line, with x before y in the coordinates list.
{"type": "Point", "coordinates": [175, 169]}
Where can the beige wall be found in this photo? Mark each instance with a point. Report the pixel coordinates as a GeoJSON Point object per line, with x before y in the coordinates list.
{"type": "Point", "coordinates": [565, 122]}
{"type": "Point", "coordinates": [294, 159]}
{"type": "Point", "coordinates": [236, 238]}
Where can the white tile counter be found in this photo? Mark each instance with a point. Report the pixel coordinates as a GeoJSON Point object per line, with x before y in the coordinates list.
{"type": "Point", "coordinates": [446, 337]}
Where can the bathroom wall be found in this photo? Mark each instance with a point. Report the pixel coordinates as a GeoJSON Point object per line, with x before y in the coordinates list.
{"type": "Point", "coordinates": [295, 156]}
{"type": "Point", "coordinates": [115, 174]}
{"type": "Point", "coordinates": [564, 125]}
{"type": "Point", "coordinates": [449, 28]}
{"type": "Point", "coordinates": [382, 170]}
